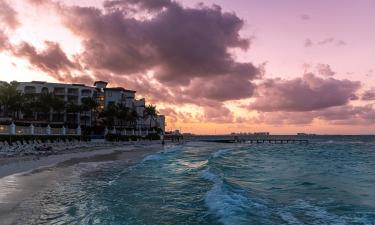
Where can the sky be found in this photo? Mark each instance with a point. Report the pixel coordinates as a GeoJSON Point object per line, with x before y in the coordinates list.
{"type": "Point", "coordinates": [212, 66]}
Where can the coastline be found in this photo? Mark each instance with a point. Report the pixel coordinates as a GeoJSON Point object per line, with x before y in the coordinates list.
{"type": "Point", "coordinates": [25, 164]}
{"type": "Point", "coordinates": [22, 178]}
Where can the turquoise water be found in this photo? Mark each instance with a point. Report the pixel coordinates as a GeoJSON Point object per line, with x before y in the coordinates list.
{"type": "Point", "coordinates": [329, 181]}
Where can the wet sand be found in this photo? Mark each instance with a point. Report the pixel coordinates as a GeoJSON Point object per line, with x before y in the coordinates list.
{"type": "Point", "coordinates": [32, 176]}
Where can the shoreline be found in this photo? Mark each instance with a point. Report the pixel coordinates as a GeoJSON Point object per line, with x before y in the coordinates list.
{"type": "Point", "coordinates": [26, 164]}
{"type": "Point", "coordinates": [22, 179]}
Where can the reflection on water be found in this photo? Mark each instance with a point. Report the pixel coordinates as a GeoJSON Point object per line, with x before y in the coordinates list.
{"type": "Point", "coordinates": [8, 185]}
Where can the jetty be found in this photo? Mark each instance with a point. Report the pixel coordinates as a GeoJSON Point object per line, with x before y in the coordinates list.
{"type": "Point", "coordinates": [253, 139]}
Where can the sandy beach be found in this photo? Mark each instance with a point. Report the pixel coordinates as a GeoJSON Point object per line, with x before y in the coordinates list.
{"type": "Point", "coordinates": [23, 177]}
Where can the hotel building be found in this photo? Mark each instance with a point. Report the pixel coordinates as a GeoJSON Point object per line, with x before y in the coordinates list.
{"type": "Point", "coordinates": [104, 96]}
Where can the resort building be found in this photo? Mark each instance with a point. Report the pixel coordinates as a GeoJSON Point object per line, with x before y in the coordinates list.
{"type": "Point", "coordinates": [74, 94]}
{"type": "Point", "coordinates": [69, 93]}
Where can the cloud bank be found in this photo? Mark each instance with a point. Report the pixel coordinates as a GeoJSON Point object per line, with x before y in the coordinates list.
{"type": "Point", "coordinates": [303, 94]}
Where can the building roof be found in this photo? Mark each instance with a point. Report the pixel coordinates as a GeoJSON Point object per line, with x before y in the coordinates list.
{"type": "Point", "coordinates": [55, 85]}
{"type": "Point", "coordinates": [119, 89]}
{"type": "Point", "coordinates": [100, 81]}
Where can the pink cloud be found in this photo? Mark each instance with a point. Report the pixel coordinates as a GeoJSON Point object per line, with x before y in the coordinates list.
{"type": "Point", "coordinates": [51, 60]}
{"type": "Point", "coordinates": [338, 115]}
{"type": "Point", "coordinates": [368, 95]}
{"type": "Point", "coordinates": [8, 16]}
{"type": "Point", "coordinates": [303, 94]}
{"type": "Point", "coordinates": [219, 114]}
{"type": "Point", "coordinates": [325, 70]}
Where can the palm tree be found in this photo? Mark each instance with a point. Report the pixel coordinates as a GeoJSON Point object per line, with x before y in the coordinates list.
{"type": "Point", "coordinates": [89, 104]}
{"type": "Point", "coordinates": [150, 111]}
{"type": "Point", "coordinates": [74, 109]}
{"type": "Point", "coordinates": [123, 114]}
{"type": "Point", "coordinates": [44, 105]}
{"type": "Point", "coordinates": [109, 115]}
{"type": "Point", "coordinates": [10, 98]}
{"type": "Point", "coordinates": [57, 105]}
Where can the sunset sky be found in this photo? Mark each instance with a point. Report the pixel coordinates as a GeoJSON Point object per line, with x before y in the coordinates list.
{"type": "Point", "coordinates": [212, 66]}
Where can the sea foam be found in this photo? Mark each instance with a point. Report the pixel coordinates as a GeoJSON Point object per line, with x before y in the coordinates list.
{"type": "Point", "coordinates": [155, 157]}
{"type": "Point", "coordinates": [227, 204]}
{"type": "Point", "coordinates": [319, 214]}
{"type": "Point", "coordinates": [220, 153]}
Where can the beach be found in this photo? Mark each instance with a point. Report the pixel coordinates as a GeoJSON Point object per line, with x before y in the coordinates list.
{"type": "Point", "coordinates": [22, 177]}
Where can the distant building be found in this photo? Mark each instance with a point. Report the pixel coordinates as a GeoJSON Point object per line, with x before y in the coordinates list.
{"type": "Point", "coordinates": [305, 134]}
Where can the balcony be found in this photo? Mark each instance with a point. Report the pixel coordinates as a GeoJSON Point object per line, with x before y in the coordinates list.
{"type": "Point", "coordinates": [73, 99]}
{"type": "Point", "coordinates": [86, 93]}
{"type": "Point", "coordinates": [59, 91]}
{"type": "Point", "coordinates": [73, 91]}
{"type": "Point", "coordinates": [30, 90]}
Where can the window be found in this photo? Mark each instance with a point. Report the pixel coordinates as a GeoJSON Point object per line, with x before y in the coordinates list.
{"type": "Point", "coordinates": [44, 90]}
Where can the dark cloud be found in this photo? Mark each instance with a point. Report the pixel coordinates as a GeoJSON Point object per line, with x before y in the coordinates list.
{"type": "Point", "coordinates": [325, 70]}
{"type": "Point", "coordinates": [349, 115]}
{"type": "Point", "coordinates": [140, 4]}
{"type": "Point", "coordinates": [221, 89]}
{"type": "Point", "coordinates": [186, 47]}
{"type": "Point", "coordinates": [307, 93]}
{"type": "Point", "coordinates": [51, 60]}
{"type": "Point", "coordinates": [8, 16]}
{"type": "Point", "coordinates": [368, 95]}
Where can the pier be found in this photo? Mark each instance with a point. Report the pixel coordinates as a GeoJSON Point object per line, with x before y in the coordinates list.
{"type": "Point", "coordinates": [251, 139]}
{"type": "Point", "coordinates": [262, 141]}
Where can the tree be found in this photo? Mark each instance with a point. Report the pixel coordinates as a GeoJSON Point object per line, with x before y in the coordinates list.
{"type": "Point", "coordinates": [29, 106]}
{"type": "Point", "coordinates": [44, 105]}
{"type": "Point", "coordinates": [150, 111]}
{"type": "Point", "coordinates": [109, 115]}
{"type": "Point", "coordinates": [89, 104]}
{"type": "Point", "coordinates": [123, 114]}
{"type": "Point", "coordinates": [74, 109]}
{"type": "Point", "coordinates": [10, 98]}
{"type": "Point", "coordinates": [57, 105]}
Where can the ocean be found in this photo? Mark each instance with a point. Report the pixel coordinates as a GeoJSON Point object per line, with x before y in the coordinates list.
{"type": "Point", "coordinates": [331, 180]}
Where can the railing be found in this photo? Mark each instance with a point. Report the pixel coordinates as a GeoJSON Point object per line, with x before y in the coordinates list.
{"type": "Point", "coordinates": [23, 130]}
{"type": "Point", "coordinates": [124, 132]}
{"type": "Point", "coordinates": [86, 94]}
{"type": "Point", "coordinates": [32, 130]}
{"type": "Point", "coordinates": [4, 129]}
{"type": "Point", "coordinates": [59, 92]}
{"type": "Point", "coordinates": [40, 130]}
